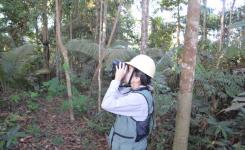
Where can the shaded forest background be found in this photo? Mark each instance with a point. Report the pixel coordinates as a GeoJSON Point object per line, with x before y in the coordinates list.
{"type": "Point", "coordinates": [33, 87]}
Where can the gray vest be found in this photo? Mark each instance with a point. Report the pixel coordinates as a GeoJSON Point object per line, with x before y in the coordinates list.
{"type": "Point", "coordinates": [128, 128]}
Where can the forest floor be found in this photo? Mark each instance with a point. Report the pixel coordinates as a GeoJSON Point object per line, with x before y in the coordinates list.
{"type": "Point", "coordinates": [51, 129]}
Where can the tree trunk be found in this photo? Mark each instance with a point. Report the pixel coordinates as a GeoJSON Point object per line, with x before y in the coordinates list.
{"type": "Point", "coordinates": [204, 30]}
{"type": "Point", "coordinates": [243, 32]}
{"type": "Point", "coordinates": [104, 21]}
{"type": "Point", "coordinates": [102, 38]}
{"type": "Point", "coordinates": [115, 24]}
{"type": "Point", "coordinates": [65, 55]}
{"type": "Point", "coordinates": [100, 45]}
{"type": "Point", "coordinates": [187, 76]}
{"type": "Point", "coordinates": [36, 29]}
{"type": "Point", "coordinates": [231, 11]}
{"type": "Point", "coordinates": [243, 38]}
{"type": "Point", "coordinates": [222, 27]}
{"type": "Point", "coordinates": [57, 53]}
{"type": "Point", "coordinates": [230, 21]}
{"type": "Point", "coordinates": [97, 11]}
{"type": "Point", "coordinates": [108, 44]}
{"type": "Point", "coordinates": [144, 25]}
{"type": "Point", "coordinates": [178, 24]}
{"type": "Point", "coordinates": [45, 39]}
{"type": "Point", "coordinates": [221, 35]}
{"type": "Point", "coordinates": [70, 25]}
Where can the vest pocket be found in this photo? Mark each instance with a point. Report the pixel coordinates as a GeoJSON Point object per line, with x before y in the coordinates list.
{"type": "Point", "coordinates": [142, 129]}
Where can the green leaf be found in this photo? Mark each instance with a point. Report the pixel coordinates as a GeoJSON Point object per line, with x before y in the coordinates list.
{"type": "Point", "coordinates": [237, 24]}
{"type": "Point", "coordinates": [34, 94]}
{"type": "Point", "coordinates": [65, 66]}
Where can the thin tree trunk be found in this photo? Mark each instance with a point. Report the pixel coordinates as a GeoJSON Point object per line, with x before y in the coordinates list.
{"type": "Point", "coordinates": [231, 11]}
{"type": "Point", "coordinates": [104, 21]}
{"type": "Point", "coordinates": [45, 39]}
{"type": "Point", "coordinates": [204, 30]}
{"type": "Point", "coordinates": [100, 45]}
{"type": "Point", "coordinates": [70, 25]}
{"type": "Point", "coordinates": [65, 55]}
{"type": "Point", "coordinates": [58, 62]}
{"type": "Point", "coordinates": [102, 38]}
{"type": "Point", "coordinates": [57, 51]}
{"type": "Point", "coordinates": [144, 25]}
{"type": "Point", "coordinates": [103, 54]}
{"type": "Point", "coordinates": [242, 39]}
{"type": "Point", "coordinates": [221, 35]}
{"type": "Point", "coordinates": [97, 11]}
{"type": "Point", "coordinates": [222, 27]}
{"type": "Point", "coordinates": [230, 21]}
{"type": "Point", "coordinates": [187, 77]}
{"type": "Point", "coordinates": [178, 24]}
{"type": "Point", "coordinates": [36, 29]}
{"type": "Point", "coordinates": [115, 23]}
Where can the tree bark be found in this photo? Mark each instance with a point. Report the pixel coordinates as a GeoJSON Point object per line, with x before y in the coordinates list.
{"type": "Point", "coordinates": [97, 11]}
{"type": "Point", "coordinates": [222, 27]}
{"type": "Point", "coordinates": [187, 76]}
{"type": "Point", "coordinates": [102, 38]}
{"type": "Point", "coordinates": [104, 21]}
{"type": "Point", "coordinates": [45, 40]}
{"type": "Point", "coordinates": [108, 45]}
{"type": "Point", "coordinates": [115, 24]}
{"type": "Point", "coordinates": [70, 25]}
{"type": "Point", "coordinates": [36, 29]}
{"type": "Point", "coordinates": [231, 11]}
{"type": "Point", "coordinates": [204, 30]}
{"type": "Point", "coordinates": [144, 25]}
{"type": "Point", "coordinates": [178, 24]}
{"type": "Point", "coordinates": [100, 45]}
{"type": "Point", "coordinates": [65, 55]}
{"type": "Point", "coordinates": [242, 39]}
{"type": "Point", "coordinates": [221, 35]}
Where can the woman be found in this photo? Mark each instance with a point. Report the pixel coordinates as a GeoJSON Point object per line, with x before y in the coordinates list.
{"type": "Point", "coordinates": [133, 105]}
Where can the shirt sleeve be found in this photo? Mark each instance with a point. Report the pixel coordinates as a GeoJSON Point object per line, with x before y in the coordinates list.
{"type": "Point", "coordinates": [131, 104]}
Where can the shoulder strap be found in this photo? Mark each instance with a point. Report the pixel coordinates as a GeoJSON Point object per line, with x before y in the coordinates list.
{"type": "Point", "coordinates": [141, 91]}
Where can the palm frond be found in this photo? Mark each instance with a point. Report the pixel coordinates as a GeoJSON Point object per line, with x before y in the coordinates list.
{"type": "Point", "coordinates": [15, 62]}
{"type": "Point", "coordinates": [83, 47]}
{"type": "Point", "coordinates": [119, 44]}
{"type": "Point", "coordinates": [117, 54]}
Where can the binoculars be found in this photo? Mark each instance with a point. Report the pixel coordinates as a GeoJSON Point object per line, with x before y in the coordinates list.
{"type": "Point", "coordinates": [115, 63]}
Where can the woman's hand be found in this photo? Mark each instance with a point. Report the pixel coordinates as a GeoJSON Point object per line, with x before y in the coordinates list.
{"type": "Point", "coordinates": [121, 71]}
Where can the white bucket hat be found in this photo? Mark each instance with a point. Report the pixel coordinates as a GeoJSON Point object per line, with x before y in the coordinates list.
{"type": "Point", "coordinates": [143, 63]}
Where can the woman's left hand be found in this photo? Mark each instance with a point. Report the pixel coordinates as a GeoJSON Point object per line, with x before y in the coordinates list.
{"type": "Point", "coordinates": [121, 71]}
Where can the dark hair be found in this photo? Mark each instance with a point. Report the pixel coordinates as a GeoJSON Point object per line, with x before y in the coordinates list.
{"type": "Point", "coordinates": [144, 79]}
